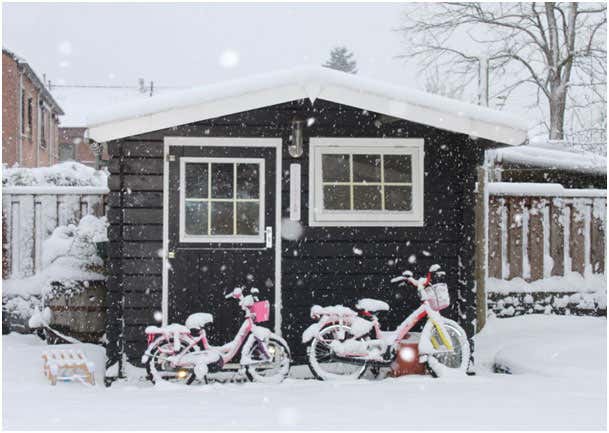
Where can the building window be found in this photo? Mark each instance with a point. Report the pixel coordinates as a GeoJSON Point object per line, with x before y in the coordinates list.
{"type": "Point", "coordinates": [29, 116]}
{"type": "Point", "coordinates": [23, 112]}
{"type": "Point", "coordinates": [221, 200]}
{"type": "Point", "coordinates": [67, 151]}
{"type": "Point", "coordinates": [366, 182]}
{"type": "Point", "coordinates": [43, 127]}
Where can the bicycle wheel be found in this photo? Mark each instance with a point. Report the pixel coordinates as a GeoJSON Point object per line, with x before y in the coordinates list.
{"type": "Point", "coordinates": [262, 369]}
{"type": "Point", "coordinates": [456, 360]}
{"type": "Point", "coordinates": [159, 366]}
{"type": "Point", "coordinates": [324, 364]}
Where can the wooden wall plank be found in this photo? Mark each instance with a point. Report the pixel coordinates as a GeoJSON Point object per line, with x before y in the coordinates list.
{"type": "Point", "coordinates": [26, 235]}
{"type": "Point", "coordinates": [515, 209]}
{"type": "Point", "coordinates": [535, 241]}
{"type": "Point", "coordinates": [576, 238]}
{"type": "Point", "coordinates": [494, 237]}
{"type": "Point", "coordinates": [597, 236]}
{"type": "Point", "coordinates": [557, 237]}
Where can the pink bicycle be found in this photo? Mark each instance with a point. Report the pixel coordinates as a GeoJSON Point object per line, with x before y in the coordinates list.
{"type": "Point", "coordinates": [343, 343]}
{"type": "Point", "coordinates": [181, 353]}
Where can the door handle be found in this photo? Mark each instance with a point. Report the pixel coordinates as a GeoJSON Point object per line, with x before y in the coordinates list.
{"type": "Point", "coordinates": [269, 237]}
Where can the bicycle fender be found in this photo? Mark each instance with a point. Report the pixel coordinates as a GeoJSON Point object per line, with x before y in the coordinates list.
{"type": "Point", "coordinates": [312, 331]}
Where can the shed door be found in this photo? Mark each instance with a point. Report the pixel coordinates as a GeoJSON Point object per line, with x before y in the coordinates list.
{"type": "Point", "coordinates": [221, 231]}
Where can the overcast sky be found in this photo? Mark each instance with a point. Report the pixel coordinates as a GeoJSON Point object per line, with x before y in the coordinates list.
{"type": "Point", "coordinates": [191, 44]}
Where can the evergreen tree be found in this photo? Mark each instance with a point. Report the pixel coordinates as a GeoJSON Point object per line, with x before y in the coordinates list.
{"type": "Point", "coordinates": [342, 59]}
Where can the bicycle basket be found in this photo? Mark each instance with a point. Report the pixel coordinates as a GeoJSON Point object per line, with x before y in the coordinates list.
{"type": "Point", "coordinates": [261, 310]}
{"type": "Point", "coordinates": [437, 296]}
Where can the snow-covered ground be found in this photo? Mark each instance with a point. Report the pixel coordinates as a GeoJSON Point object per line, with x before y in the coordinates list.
{"type": "Point", "coordinates": [559, 382]}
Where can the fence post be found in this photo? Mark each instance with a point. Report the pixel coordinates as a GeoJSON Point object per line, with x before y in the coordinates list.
{"type": "Point", "coordinates": [481, 247]}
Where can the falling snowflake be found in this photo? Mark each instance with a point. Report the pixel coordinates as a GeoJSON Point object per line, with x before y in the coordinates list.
{"type": "Point", "coordinates": [229, 59]}
{"type": "Point", "coordinates": [65, 48]}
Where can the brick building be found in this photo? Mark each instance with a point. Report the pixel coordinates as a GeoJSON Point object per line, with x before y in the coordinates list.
{"type": "Point", "coordinates": [29, 116]}
{"type": "Point", "coordinates": [74, 146]}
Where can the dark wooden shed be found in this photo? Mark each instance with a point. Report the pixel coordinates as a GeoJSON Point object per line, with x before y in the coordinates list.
{"type": "Point", "coordinates": [313, 185]}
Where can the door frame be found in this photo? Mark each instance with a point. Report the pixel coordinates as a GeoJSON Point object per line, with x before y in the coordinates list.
{"type": "Point", "coordinates": [222, 142]}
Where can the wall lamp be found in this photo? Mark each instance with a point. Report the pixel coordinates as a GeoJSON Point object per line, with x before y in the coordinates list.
{"type": "Point", "coordinates": [296, 148]}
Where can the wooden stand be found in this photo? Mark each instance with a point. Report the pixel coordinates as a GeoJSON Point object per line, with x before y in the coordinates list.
{"type": "Point", "coordinates": [68, 365]}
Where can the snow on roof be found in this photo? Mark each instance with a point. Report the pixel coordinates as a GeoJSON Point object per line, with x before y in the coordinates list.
{"type": "Point", "coordinates": [312, 82]}
{"type": "Point", "coordinates": [559, 159]}
{"type": "Point", "coordinates": [79, 101]}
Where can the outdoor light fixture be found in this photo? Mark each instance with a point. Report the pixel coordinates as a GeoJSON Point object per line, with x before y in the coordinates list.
{"type": "Point", "coordinates": [296, 148]}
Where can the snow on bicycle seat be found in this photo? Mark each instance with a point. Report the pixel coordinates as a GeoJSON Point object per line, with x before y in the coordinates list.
{"type": "Point", "coordinates": [168, 329]}
{"type": "Point", "coordinates": [372, 305]}
{"type": "Point", "coordinates": [198, 320]}
{"type": "Point", "coordinates": [336, 310]}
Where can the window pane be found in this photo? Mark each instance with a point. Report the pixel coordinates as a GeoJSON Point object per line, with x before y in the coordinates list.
{"type": "Point", "coordinates": [398, 197]}
{"type": "Point", "coordinates": [367, 198]}
{"type": "Point", "coordinates": [248, 218]}
{"type": "Point", "coordinates": [248, 181]}
{"type": "Point", "coordinates": [196, 180]}
{"type": "Point", "coordinates": [221, 218]}
{"type": "Point", "coordinates": [366, 168]}
{"type": "Point", "coordinates": [337, 197]}
{"type": "Point", "coordinates": [398, 168]}
{"type": "Point", "coordinates": [222, 180]}
{"type": "Point", "coordinates": [196, 218]}
{"type": "Point", "coordinates": [335, 168]}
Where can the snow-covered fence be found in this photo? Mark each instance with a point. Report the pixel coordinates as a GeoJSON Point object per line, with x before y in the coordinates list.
{"type": "Point", "coordinates": [539, 248]}
{"type": "Point", "coordinates": [540, 231]}
{"type": "Point", "coordinates": [31, 213]}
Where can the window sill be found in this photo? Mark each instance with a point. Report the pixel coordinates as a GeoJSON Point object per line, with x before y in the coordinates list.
{"type": "Point", "coordinates": [369, 222]}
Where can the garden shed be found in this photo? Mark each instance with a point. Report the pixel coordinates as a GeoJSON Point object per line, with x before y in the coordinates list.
{"type": "Point", "coordinates": [313, 185]}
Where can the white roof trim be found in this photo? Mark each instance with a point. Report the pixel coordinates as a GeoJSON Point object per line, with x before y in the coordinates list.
{"type": "Point", "coordinates": [259, 91]}
{"type": "Point", "coordinates": [556, 159]}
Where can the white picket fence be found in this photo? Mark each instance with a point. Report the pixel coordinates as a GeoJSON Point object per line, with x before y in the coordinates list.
{"type": "Point", "coordinates": [30, 214]}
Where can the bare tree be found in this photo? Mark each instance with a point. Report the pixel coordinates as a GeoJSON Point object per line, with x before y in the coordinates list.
{"type": "Point", "coordinates": [439, 84]}
{"type": "Point", "coordinates": [551, 46]}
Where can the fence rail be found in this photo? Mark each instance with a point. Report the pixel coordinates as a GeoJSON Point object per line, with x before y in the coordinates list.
{"type": "Point", "coordinates": [30, 214]}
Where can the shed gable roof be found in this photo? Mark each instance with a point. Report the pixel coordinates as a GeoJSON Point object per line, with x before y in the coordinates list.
{"type": "Point", "coordinates": [263, 90]}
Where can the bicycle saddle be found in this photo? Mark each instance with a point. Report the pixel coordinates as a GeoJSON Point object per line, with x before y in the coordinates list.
{"type": "Point", "coordinates": [372, 305]}
{"type": "Point", "coordinates": [168, 329]}
{"type": "Point", "coordinates": [198, 320]}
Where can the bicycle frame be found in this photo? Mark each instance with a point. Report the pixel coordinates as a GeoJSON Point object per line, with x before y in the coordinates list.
{"type": "Point", "coordinates": [227, 351]}
{"type": "Point", "coordinates": [420, 313]}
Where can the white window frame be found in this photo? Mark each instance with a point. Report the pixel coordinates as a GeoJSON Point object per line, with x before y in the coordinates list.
{"type": "Point", "coordinates": [318, 216]}
{"type": "Point", "coordinates": [188, 238]}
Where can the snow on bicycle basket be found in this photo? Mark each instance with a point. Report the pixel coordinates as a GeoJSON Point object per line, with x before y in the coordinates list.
{"type": "Point", "coordinates": [437, 296]}
{"type": "Point", "coordinates": [261, 310]}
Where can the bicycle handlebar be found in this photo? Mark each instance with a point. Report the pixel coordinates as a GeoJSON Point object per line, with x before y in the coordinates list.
{"type": "Point", "coordinates": [413, 281]}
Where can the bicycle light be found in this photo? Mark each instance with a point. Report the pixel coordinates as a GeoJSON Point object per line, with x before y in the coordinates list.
{"type": "Point", "coordinates": [182, 374]}
{"type": "Point", "coordinates": [407, 354]}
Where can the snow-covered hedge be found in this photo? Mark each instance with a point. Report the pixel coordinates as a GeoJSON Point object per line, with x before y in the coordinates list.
{"type": "Point", "coordinates": [63, 174]}
{"type": "Point", "coordinates": [69, 256]}
{"type": "Point", "coordinates": [559, 303]}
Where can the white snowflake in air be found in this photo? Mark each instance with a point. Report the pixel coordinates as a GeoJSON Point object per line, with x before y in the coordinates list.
{"type": "Point", "coordinates": [229, 59]}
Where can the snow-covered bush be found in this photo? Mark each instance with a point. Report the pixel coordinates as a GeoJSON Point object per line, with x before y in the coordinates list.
{"type": "Point", "coordinates": [63, 174]}
{"type": "Point", "coordinates": [69, 257]}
